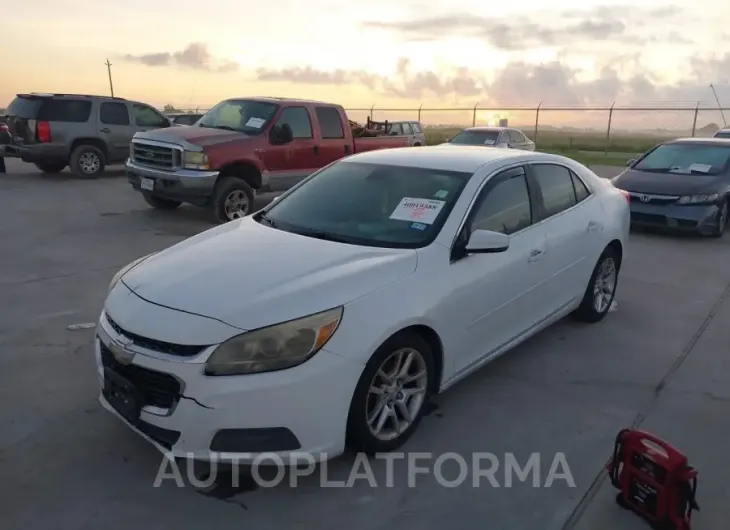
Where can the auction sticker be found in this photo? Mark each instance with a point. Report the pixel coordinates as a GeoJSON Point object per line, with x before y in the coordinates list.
{"type": "Point", "coordinates": [417, 210]}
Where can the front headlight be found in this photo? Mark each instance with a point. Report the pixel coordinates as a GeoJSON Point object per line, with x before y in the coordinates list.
{"type": "Point", "coordinates": [276, 347]}
{"type": "Point", "coordinates": [124, 270]}
{"type": "Point", "coordinates": [195, 160]}
{"type": "Point", "coordinates": [698, 199]}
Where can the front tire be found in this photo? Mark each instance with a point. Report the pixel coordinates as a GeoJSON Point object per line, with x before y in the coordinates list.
{"type": "Point", "coordinates": [601, 289]}
{"type": "Point", "coordinates": [391, 396]}
{"type": "Point", "coordinates": [721, 222]}
{"type": "Point", "coordinates": [51, 168]}
{"type": "Point", "coordinates": [233, 199]}
{"type": "Point", "coordinates": [87, 161]}
{"type": "Point", "coordinates": [159, 203]}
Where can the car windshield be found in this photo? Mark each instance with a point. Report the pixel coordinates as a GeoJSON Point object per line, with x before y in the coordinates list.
{"type": "Point", "coordinates": [475, 138]}
{"type": "Point", "coordinates": [697, 158]}
{"type": "Point", "coordinates": [369, 204]}
{"type": "Point", "coordinates": [242, 115]}
{"type": "Point", "coordinates": [722, 134]}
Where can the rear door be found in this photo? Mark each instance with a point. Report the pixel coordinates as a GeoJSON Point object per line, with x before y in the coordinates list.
{"type": "Point", "coordinates": [333, 143]}
{"type": "Point", "coordinates": [116, 128]}
{"type": "Point", "coordinates": [290, 163]}
{"type": "Point", "coordinates": [569, 212]}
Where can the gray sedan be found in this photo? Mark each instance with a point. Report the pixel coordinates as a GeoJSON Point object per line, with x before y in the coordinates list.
{"type": "Point", "coordinates": [493, 137]}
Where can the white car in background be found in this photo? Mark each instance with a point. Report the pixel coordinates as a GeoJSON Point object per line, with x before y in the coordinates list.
{"type": "Point", "coordinates": [331, 316]}
{"type": "Point", "coordinates": [504, 137]}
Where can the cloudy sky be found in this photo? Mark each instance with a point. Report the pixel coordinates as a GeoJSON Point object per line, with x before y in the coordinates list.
{"type": "Point", "coordinates": [395, 53]}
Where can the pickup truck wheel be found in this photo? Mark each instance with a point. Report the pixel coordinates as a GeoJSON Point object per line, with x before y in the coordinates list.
{"type": "Point", "coordinates": [51, 167]}
{"type": "Point", "coordinates": [233, 199]}
{"type": "Point", "coordinates": [160, 204]}
{"type": "Point", "coordinates": [87, 161]}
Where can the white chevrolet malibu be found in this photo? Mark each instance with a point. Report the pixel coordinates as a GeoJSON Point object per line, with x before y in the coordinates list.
{"type": "Point", "coordinates": [330, 317]}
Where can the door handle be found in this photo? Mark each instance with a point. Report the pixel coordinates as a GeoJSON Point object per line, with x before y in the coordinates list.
{"type": "Point", "coordinates": [535, 255]}
{"type": "Point", "coordinates": [316, 149]}
{"type": "Point", "coordinates": [105, 130]}
{"type": "Point", "coordinates": [347, 149]}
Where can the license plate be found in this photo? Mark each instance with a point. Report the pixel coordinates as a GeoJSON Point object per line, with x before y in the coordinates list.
{"type": "Point", "coordinates": [147, 184]}
{"type": "Point", "coordinates": [122, 395]}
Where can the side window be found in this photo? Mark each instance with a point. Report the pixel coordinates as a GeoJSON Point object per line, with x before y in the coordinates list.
{"type": "Point", "coordinates": [556, 186]}
{"type": "Point", "coordinates": [330, 122]}
{"type": "Point", "coordinates": [395, 129]}
{"type": "Point", "coordinates": [581, 192]}
{"type": "Point", "coordinates": [65, 110]}
{"type": "Point", "coordinates": [417, 128]}
{"type": "Point", "coordinates": [114, 114]}
{"type": "Point", "coordinates": [145, 116]}
{"type": "Point", "coordinates": [505, 208]}
{"type": "Point", "coordinates": [298, 120]}
{"type": "Point", "coordinates": [407, 129]}
{"type": "Point", "coordinates": [516, 137]}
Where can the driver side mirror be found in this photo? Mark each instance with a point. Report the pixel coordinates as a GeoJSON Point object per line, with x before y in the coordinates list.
{"type": "Point", "coordinates": [631, 162]}
{"type": "Point", "coordinates": [487, 242]}
{"type": "Point", "coordinates": [281, 134]}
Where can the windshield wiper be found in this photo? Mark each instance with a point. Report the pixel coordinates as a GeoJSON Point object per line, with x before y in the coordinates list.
{"type": "Point", "coordinates": [321, 234]}
{"type": "Point", "coordinates": [265, 218]}
{"type": "Point", "coordinates": [223, 127]}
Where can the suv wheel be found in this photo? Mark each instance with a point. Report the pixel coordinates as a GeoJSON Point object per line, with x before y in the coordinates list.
{"type": "Point", "coordinates": [51, 167]}
{"type": "Point", "coordinates": [87, 161]}
{"type": "Point", "coordinates": [159, 203]}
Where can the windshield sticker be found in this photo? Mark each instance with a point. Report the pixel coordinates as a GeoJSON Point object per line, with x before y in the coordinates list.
{"type": "Point", "coordinates": [489, 142]}
{"type": "Point", "coordinates": [256, 123]}
{"type": "Point", "coordinates": [420, 210]}
{"type": "Point", "coordinates": [441, 194]}
{"type": "Point", "coordinates": [702, 168]}
{"type": "Point", "coordinates": [419, 226]}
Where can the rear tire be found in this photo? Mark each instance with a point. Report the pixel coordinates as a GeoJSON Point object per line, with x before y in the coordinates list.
{"type": "Point", "coordinates": [87, 161]}
{"type": "Point", "coordinates": [233, 199]}
{"type": "Point", "coordinates": [158, 203]}
{"type": "Point", "coordinates": [51, 168]}
{"type": "Point", "coordinates": [721, 222]}
{"type": "Point", "coordinates": [601, 289]}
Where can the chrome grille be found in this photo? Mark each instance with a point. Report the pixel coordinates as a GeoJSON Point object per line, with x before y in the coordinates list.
{"type": "Point", "coordinates": [156, 156]}
{"type": "Point", "coordinates": [648, 198]}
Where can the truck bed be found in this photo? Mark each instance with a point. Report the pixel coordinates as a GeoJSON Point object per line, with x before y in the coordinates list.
{"type": "Point", "coordinates": [379, 142]}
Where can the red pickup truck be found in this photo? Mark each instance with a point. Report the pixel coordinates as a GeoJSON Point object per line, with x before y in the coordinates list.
{"type": "Point", "coordinates": [240, 147]}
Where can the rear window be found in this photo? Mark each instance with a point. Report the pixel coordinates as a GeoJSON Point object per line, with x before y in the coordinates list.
{"type": "Point", "coordinates": [686, 158]}
{"type": "Point", "coordinates": [722, 134]}
{"type": "Point", "coordinates": [64, 110]}
{"type": "Point", "coordinates": [26, 108]}
{"type": "Point", "coordinates": [476, 138]}
{"type": "Point", "coordinates": [417, 128]}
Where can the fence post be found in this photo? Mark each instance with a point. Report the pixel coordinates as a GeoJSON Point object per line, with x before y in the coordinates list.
{"type": "Point", "coordinates": [419, 112]}
{"type": "Point", "coordinates": [474, 115]}
{"type": "Point", "coordinates": [372, 111]}
{"type": "Point", "coordinates": [608, 129]}
{"type": "Point", "coordinates": [537, 120]}
{"type": "Point", "coordinates": [694, 122]}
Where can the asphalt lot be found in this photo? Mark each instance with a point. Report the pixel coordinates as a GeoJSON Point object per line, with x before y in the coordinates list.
{"type": "Point", "coordinates": [659, 361]}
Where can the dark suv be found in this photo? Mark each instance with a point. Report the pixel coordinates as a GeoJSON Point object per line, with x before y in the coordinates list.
{"type": "Point", "coordinates": [86, 133]}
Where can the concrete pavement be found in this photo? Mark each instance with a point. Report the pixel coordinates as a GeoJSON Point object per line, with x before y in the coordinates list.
{"type": "Point", "coordinates": [659, 360]}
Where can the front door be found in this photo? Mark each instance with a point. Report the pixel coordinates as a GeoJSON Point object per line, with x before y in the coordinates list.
{"type": "Point", "coordinates": [290, 163]}
{"type": "Point", "coordinates": [116, 129]}
{"type": "Point", "coordinates": [496, 293]}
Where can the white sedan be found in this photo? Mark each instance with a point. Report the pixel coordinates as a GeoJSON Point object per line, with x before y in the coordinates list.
{"type": "Point", "coordinates": [330, 317]}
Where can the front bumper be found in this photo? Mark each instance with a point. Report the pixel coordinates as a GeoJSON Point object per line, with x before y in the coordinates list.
{"type": "Point", "coordinates": [691, 218]}
{"type": "Point", "coordinates": [235, 418]}
{"type": "Point", "coordinates": [184, 185]}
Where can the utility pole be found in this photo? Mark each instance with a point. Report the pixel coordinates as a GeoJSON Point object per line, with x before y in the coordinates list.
{"type": "Point", "coordinates": [109, 70]}
{"type": "Point", "coordinates": [719, 106]}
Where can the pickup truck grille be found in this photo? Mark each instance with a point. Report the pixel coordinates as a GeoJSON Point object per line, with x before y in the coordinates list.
{"type": "Point", "coordinates": [156, 156]}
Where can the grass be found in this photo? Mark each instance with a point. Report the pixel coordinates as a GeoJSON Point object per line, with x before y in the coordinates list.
{"type": "Point", "coordinates": [585, 147]}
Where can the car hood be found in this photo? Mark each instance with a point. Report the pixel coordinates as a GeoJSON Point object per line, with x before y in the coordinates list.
{"type": "Point", "coordinates": [200, 136]}
{"type": "Point", "coordinates": [249, 276]}
{"type": "Point", "coordinates": [666, 183]}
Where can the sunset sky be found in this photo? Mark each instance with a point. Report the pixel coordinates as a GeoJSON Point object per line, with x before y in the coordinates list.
{"type": "Point", "coordinates": [394, 53]}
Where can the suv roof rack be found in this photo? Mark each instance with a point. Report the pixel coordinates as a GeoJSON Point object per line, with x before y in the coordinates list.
{"type": "Point", "coordinates": [50, 95]}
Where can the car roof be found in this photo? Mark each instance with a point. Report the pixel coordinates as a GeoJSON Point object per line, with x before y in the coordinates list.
{"type": "Point", "coordinates": [278, 100]}
{"type": "Point", "coordinates": [709, 141]}
{"type": "Point", "coordinates": [464, 158]}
